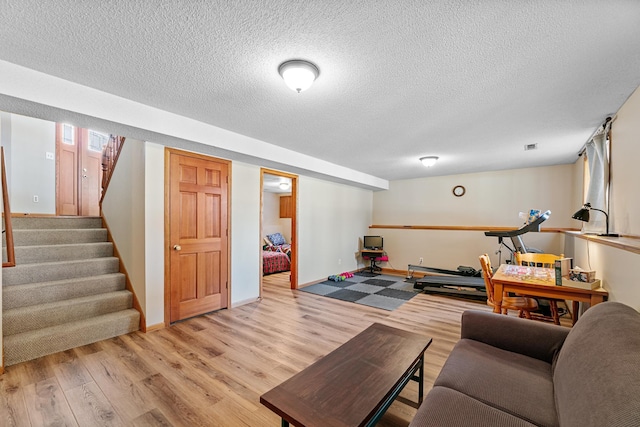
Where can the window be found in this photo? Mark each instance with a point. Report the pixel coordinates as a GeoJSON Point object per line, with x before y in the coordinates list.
{"type": "Point", "coordinates": [97, 141]}
{"type": "Point", "coordinates": [68, 134]}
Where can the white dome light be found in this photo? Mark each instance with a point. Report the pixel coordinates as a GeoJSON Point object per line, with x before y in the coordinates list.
{"type": "Point", "coordinates": [429, 160]}
{"type": "Point", "coordinates": [299, 75]}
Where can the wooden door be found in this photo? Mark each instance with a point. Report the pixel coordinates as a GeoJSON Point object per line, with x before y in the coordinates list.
{"type": "Point", "coordinates": [66, 170]}
{"type": "Point", "coordinates": [91, 144]}
{"type": "Point", "coordinates": [198, 234]}
{"type": "Point", "coordinates": [78, 170]}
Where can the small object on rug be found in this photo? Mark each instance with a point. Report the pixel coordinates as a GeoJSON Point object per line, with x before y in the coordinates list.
{"type": "Point", "coordinates": [347, 275]}
{"type": "Point", "coordinates": [336, 278]}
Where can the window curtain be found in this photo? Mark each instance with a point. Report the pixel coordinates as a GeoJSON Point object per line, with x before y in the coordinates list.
{"type": "Point", "coordinates": [598, 163]}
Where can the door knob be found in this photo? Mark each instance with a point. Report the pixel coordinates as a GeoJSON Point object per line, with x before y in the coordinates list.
{"type": "Point", "coordinates": [177, 247]}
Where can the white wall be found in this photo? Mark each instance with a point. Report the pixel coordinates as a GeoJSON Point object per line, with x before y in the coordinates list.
{"type": "Point", "coordinates": [271, 221]}
{"type": "Point", "coordinates": [616, 267]}
{"type": "Point", "coordinates": [30, 173]}
{"type": "Point", "coordinates": [245, 233]}
{"type": "Point", "coordinates": [154, 233]}
{"type": "Point", "coordinates": [332, 219]}
{"type": "Point", "coordinates": [625, 173]}
{"type": "Point", "coordinates": [123, 209]}
{"type": "Point", "coordinates": [491, 199]}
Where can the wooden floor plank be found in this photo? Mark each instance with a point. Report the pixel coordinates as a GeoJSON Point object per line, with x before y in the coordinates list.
{"type": "Point", "coordinates": [47, 404]}
{"type": "Point", "coordinates": [91, 407]}
{"type": "Point", "coordinates": [211, 370]}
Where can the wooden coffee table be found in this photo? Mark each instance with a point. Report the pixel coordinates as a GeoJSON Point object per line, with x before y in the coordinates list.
{"type": "Point", "coordinates": [354, 384]}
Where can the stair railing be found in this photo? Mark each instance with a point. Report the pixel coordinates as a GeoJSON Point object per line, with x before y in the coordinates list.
{"type": "Point", "coordinates": [110, 154]}
{"type": "Point", "coordinates": [8, 229]}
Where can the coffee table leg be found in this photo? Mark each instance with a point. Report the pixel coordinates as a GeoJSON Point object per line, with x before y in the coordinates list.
{"type": "Point", "coordinates": [421, 382]}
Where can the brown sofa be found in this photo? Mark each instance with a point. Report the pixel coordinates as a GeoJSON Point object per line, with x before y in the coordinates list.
{"type": "Point", "coordinates": [507, 371]}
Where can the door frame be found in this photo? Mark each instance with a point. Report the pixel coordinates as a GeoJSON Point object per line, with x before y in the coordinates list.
{"type": "Point", "coordinates": [167, 225]}
{"type": "Point", "coordinates": [294, 223]}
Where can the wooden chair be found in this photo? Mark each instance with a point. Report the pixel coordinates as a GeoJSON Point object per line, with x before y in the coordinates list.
{"type": "Point", "coordinates": [546, 261]}
{"type": "Point", "coordinates": [524, 305]}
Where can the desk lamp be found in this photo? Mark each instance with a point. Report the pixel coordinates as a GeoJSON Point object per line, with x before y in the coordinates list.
{"type": "Point", "coordinates": [583, 215]}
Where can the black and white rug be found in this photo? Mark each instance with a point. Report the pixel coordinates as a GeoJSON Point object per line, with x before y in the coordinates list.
{"type": "Point", "coordinates": [375, 290]}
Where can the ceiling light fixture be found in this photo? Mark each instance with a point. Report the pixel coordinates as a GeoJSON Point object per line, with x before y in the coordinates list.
{"type": "Point", "coordinates": [298, 74]}
{"type": "Point", "coordinates": [284, 185]}
{"type": "Point", "coordinates": [429, 161]}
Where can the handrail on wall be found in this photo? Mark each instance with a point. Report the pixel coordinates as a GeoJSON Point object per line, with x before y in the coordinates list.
{"type": "Point", "coordinates": [11, 257]}
{"type": "Point", "coordinates": [110, 154]}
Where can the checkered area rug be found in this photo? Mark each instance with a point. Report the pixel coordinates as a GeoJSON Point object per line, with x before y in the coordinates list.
{"type": "Point", "coordinates": [374, 290]}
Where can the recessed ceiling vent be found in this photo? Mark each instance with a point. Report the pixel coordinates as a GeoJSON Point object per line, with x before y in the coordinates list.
{"type": "Point", "coordinates": [529, 147]}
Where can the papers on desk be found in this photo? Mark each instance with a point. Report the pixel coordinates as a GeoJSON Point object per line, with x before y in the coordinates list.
{"type": "Point", "coordinates": [532, 274]}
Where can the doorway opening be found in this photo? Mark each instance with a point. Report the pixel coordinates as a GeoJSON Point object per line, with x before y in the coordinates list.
{"type": "Point", "coordinates": [278, 218]}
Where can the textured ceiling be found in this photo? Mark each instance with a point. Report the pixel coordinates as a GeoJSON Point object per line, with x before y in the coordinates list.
{"type": "Point", "coordinates": [470, 81]}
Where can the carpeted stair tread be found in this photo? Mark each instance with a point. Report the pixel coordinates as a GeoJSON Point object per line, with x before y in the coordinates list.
{"type": "Point", "coordinates": [40, 316]}
{"type": "Point", "coordinates": [49, 271]}
{"type": "Point", "coordinates": [66, 289]}
{"type": "Point", "coordinates": [40, 342]}
{"type": "Point", "coordinates": [39, 223]}
{"type": "Point", "coordinates": [66, 252]}
{"type": "Point", "coordinates": [16, 296]}
{"type": "Point", "coordinates": [58, 236]}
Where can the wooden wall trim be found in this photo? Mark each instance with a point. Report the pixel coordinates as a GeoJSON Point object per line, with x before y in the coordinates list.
{"type": "Point", "coordinates": [626, 243]}
{"type": "Point", "coordinates": [465, 228]}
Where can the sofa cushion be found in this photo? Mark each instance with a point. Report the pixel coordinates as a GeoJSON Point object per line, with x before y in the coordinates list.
{"type": "Point", "coordinates": [445, 406]}
{"type": "Point", "coordinates": [597, 372]}
{"type": "Point", "coordinates": [519, 385]}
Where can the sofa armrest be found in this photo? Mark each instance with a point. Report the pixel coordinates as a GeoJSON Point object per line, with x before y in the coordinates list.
{"type": "Point", "coordinates": [531, 338]}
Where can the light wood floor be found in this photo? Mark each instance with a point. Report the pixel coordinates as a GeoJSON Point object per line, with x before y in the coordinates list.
{"type": "Point", "coordinates": [211, 370]}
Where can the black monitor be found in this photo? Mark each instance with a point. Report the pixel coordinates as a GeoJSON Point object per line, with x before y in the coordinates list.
{"type": "Point", "coordinates": [372, 242]}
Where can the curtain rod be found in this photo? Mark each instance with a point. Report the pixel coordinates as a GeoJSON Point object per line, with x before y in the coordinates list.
{"type": "Point", "coordinates": [601, 127]}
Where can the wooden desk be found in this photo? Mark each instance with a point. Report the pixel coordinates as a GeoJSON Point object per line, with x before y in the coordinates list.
{"type": "Point", "coordinates": [354, 384]}
{"type": "Point", "coordinates": [540, 282]}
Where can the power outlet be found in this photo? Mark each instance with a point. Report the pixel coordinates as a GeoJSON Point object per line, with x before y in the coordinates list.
{"type": "Point", "coordinates": [35, 199]}
{"type": "Point", "coordinates": [420, 261]}
{"type": "Point", "coordinates": [339, 261]}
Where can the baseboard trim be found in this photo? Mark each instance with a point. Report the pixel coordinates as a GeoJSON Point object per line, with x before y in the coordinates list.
{"type": "Point", "coordinates": [155, 327]}
{"type": "Point", "coordinates": [244, 302]}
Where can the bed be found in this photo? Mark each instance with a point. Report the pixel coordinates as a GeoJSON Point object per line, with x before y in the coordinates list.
{"type": "Point", "coordinates": [275, 257]}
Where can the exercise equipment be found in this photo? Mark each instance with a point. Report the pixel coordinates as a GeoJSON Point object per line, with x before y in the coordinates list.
{"type": "Point", "coordinates": [516, 239]}
{"type": "Point", "coordinates": [467, 281]}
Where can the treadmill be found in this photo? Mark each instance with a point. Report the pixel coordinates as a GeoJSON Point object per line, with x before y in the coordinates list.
{"type": "Point", "coordinates": [466, 281]}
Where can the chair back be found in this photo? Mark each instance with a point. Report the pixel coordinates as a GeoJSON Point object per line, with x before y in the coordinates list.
{"type": "Point", "coordinates": [537, 260]}
{"type": "Point", "coordinates": [487, 274]}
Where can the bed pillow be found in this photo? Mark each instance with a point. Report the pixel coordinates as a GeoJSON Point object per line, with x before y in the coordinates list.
{"type": "Point", "coordinates": [267, 242]}
{"type": "Point", "coordinates": [276, 239]}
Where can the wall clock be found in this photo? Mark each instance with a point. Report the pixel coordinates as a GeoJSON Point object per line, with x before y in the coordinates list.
{"type": "Point", "coordinates": [459, 191]}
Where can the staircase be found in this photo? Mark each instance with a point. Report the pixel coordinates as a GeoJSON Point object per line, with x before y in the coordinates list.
{"type": "Point", "coordinates": [65, 290]}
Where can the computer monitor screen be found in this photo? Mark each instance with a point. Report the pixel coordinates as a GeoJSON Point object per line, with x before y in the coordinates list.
{"type": "Point", "coordinates": [372, 242]}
